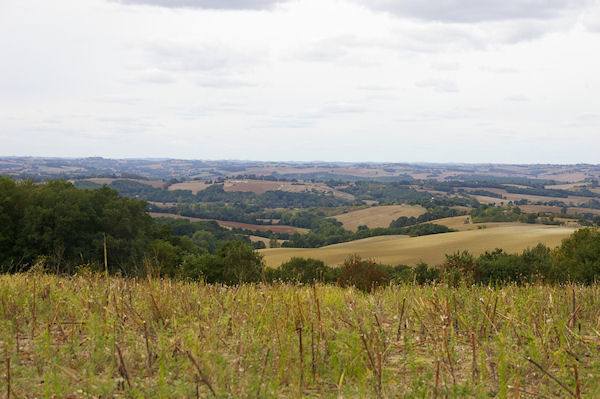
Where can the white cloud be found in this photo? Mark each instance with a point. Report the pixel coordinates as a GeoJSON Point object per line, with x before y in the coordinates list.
{"type": "Point", "coordinates": [439, 85]}
{"type": "Point", "coordinates": [217, 79]}
{"type": "Point", "coordinates": [207, 4]}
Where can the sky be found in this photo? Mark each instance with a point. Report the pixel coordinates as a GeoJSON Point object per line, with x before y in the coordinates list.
{"type": "Point", "coordinates": [501, 81]}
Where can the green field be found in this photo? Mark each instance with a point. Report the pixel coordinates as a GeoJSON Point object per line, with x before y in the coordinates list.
{"type": "Point", "coordinates": [393, 250]}
{"type": "Point", "coordinates": [88, 337]}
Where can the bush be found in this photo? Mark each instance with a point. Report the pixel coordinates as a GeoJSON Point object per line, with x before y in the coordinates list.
{"type": "Point", "coordinates": [363, 274]}
{"type": "Point", "coordinates": [305, 271]}
{"type": "Point", "coordinates": [424, 274]}
{"type": "Point", "coordinates": [459, 266]}
{"type": "Point", "coordinates": [241, 264]}
{"type": "Point", "coordinates": [578, 258]}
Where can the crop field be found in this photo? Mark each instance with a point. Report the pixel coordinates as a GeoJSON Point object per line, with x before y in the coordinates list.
{"type": "Point", "coordinates": [194, 186]}
{"type": "Point", "coordinates": [262, 186]}
{"type": "Point", "coordinates": [90, 337]}
{"type": "Point", "coordinates": [394, 250]}
{"type": "Point", "coordinates": [229, 224]}
{"type": "Point", "coordinates": [378, 216]}
{"type": "Point", "coordinates": [575, 199]}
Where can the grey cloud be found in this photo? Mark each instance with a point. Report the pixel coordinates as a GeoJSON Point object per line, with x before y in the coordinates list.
{"type": "Point", "coordinates": [204, 65]}
{"type": "Point", "coordinates": [207, 4]}
{"type": "Point", "coordinates": [435, 37]}
{"type": "Point", "coordinates": [591, 20]}
{"type": "Point", "coordinates": [476, 10]}
{"type": "Point", "coordinates": [439, 85]}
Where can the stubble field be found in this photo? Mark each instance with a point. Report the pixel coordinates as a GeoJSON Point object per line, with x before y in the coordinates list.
{"type": "Point", "coordinates": [394, 250]}
{"type": "Point", "coordinates": [91, 337]}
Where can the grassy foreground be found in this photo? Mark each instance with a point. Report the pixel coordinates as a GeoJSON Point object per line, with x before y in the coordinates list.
{"type": "Point", "coordinates": [85, 336]}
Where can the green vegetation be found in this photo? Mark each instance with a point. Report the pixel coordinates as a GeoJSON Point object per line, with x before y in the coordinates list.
{"type": "Point", "coordinates": [67, 226]}
{"type": "Point", "coordinates": [438, 212]}
{"type": "Point", "coordinates": [487, 214]}
{"type": "Point", "coordinates": [330, 232]}
{"type": "Point", "coordinates": [385, 193]}
{"type": "Point", "coordinates": [88, 336]}
{"type": "Point", "coordinates": [62, 227]}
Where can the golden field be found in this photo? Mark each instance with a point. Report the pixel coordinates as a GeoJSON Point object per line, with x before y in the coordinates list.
{"type": "Point", "coordinates": [394, 250]}
{"type": "Point", "coordinates": [378, 216]}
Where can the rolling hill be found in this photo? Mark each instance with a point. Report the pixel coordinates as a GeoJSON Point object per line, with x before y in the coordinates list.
{"type": "Point", "coordinates": [377, 216]}
{"type": "Point", "coordinates": [393, 250]}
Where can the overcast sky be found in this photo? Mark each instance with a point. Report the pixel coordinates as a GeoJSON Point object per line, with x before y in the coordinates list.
{"type": "Point", "coordinates": [507, 81]}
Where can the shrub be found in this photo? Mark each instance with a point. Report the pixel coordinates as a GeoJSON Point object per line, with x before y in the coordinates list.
{"type": "Point", "coordinates": [424, 274]}
{"type": "Point", "coordinates": [578, 258]}
{"type": "Point", "coordinates": [306, 271]}
{"type": "Point", "coordinates": [459, 266]}
{"type": "Point", "coordinates": [363, 274]}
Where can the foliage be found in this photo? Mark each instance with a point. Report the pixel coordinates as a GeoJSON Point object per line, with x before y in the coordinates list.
{"type": "Point", "coordinates": [305, 271]}
{"type": "Point", "coordinates": [578, 258]}
{"type": "Point", "coordinates": [438, 212]}
{"type": "Point", "coordinates": [67, 226]}
{"type": "Point", "coordinates": [241, 264]}
{"type": "Point", "coordinates": [362, 274]}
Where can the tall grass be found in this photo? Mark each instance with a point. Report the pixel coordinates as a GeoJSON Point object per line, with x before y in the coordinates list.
{"type": "Point", "coordinates": [88, 336]}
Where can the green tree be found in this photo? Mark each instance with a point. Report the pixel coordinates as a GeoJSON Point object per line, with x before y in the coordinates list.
{"type": "Point", "coordinates": [240, 263]}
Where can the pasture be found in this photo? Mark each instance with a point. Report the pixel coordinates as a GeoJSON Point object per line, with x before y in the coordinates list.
{"type": "Point", "coordinates": [394, 250]}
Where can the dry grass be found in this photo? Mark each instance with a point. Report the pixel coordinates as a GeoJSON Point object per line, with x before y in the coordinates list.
{"type": "Point", "coordinates": [378, 216]}
{"type": "Point", "coordinates": [393, 250]}
{"type": "Point", "coordinates": [91, 337]}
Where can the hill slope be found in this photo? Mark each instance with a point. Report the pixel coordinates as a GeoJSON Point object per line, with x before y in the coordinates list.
{"type": "Point", "coordinates": [377, 216]}
{"type": "Point", "coordinates": [395, 250]}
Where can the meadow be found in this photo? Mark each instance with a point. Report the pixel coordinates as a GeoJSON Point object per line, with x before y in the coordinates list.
{"type": "Point", "coordinates": [88, 336]}
{"type": "Point", "coordinates": [432, 249]}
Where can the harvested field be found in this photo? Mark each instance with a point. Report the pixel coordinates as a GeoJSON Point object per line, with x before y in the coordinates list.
{"type": "Point", "coordinates": [515, 197]}
{"type": "Point", "coordinates": [229, 224]}
{"type": "Point", "coordinates": [193, 186]}
{"type": "Point", "coordinates": [86, 336]}
{"type": "Point", "coordinates": [378, 216]}
{"type": "Point", "coordinates": [571, 186]}
{"type": "Point", "coordinates": [431, 249]}
{"type": "Point", "coordinates": [262, 186]}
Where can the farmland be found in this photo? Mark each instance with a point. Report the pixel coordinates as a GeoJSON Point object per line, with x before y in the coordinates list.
{"type": "Point", "coordinates": [431, 249]}
{"type": "Point", "coordinates": [379, 216]}
{"type": "Point", "coordinates": [88, 336]}
{"type": "Point", "coordinates": [229, 224]}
